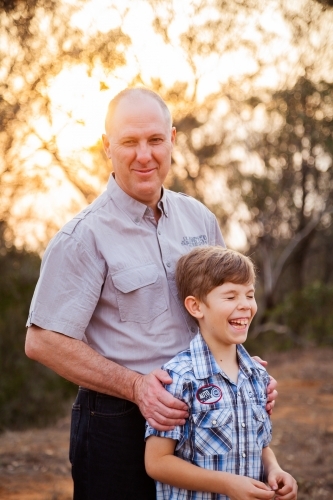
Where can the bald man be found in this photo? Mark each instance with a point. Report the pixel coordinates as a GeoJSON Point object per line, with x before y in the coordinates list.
{"type": "Point", "coordinates": [105, 313]}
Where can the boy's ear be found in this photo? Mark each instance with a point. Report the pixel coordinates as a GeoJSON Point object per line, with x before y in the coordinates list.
{"type": "Point", "coordinates": [193, 306]}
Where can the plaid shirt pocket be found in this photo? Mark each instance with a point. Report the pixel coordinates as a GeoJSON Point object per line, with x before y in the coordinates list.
{"type": "Point", "coordinates": [263, 426]}
{"type": "Point", "coordinates": [213, 431]}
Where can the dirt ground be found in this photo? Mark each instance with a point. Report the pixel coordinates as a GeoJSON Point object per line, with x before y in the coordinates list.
{"type": "Point", "coordinates": [34, 464]}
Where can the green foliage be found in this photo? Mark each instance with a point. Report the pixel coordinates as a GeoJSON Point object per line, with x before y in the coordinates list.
{"type": "Point", "coordinates": [308, 313]}
{"type": "Point", "coordinates": [30, 394]}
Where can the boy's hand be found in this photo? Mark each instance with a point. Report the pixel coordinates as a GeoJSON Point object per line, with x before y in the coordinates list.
{"type": "Point", "coordinates": [245, 488]}
{"type": "Point", "coordinates": [283, 484]}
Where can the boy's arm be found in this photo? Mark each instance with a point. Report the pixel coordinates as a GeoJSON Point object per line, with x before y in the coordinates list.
{"type": "Point", "coordinates": [165, 467]}
{"type": "Point", "coordinates": [280, 481]}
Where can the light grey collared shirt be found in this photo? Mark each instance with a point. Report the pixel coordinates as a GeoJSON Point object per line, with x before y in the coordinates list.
{"type": "Point", "coordinates": [107, 277]}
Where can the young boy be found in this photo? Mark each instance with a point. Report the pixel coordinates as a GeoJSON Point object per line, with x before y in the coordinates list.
{"type": "Point", "coordinates": [222, 450]}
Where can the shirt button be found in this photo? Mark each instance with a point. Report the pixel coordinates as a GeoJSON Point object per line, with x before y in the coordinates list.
{"type": "Point", "coordinates": [243, 424]}
{"type": "Point", "coordinates": [159, 232]}
{"type": "Point", "coordinates": [168, 264]}
{"type": "Point", "coordinates": [137, 220]}
{"type": "Point", "coordinates": [192, 329]}
{"type": "Point", "coordinates": [243, 454]}
{"type": "Point", "coordinates": [214, 422]}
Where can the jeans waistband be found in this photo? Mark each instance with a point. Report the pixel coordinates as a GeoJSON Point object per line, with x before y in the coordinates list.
{"type": "Point", "coordinates": [98, 401]}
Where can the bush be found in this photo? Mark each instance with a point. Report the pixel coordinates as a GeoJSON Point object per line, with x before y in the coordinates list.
{"type": "Point", "coordinates": [308, 314]}
{"type": "Point", "coordinates": [30, 394]}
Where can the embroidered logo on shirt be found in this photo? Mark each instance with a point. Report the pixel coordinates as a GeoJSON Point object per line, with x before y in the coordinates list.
{"type": "Point", "coordinates": [195, 241]}
{"type": "Point", "coordinates": [209, 394]}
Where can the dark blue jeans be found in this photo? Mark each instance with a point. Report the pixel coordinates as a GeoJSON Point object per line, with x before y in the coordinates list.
{"type": "Point", "coordinates": [107, 449]}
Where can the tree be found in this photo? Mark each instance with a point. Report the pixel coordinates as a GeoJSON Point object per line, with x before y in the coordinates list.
{"type": "Point", "coordinates": [39, 39]}
{"type": "Point", "coordinates": [290, 196]}
{"type": "Point", "coordinates": [274, 179]}
{"type": "Point", "coordinates": [30, 394]}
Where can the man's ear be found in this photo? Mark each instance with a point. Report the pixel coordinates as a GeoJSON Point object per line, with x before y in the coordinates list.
{"type": "Point", "coordinates": [173, 135]}
{"type": "Point", "coordinates": [106, 144]}
{"type": "Point", "coordinates": [193, 305]}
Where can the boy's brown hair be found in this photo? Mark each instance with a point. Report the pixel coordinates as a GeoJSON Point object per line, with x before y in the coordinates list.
{"type": "Point", "coordinates": [205, 268]}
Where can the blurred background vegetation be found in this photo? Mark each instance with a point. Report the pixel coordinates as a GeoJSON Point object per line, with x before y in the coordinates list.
{"type": "Point", "coordinates": [250, 87]}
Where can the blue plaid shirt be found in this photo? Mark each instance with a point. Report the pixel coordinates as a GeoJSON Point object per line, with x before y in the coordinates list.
{"type": "Point", "coordinates": [228, 425]}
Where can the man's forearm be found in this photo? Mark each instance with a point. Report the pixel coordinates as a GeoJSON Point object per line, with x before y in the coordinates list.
{"type": "Point", "coordinates": [77, 362]}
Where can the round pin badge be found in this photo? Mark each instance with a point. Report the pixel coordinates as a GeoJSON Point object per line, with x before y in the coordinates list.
{"type": "Point", "coordinates": [209, 394]}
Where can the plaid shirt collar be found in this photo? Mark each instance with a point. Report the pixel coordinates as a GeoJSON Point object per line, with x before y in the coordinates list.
{"type": "Point", "coordinates": [204, 364]}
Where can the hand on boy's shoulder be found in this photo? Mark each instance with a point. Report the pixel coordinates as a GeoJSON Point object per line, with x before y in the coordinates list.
{"type": "Point", "coordinates": [161, 410]}
{"type": "Point", "coordinates": [260, 361]}
{"type": "Point", "coordinates": [272, 393]}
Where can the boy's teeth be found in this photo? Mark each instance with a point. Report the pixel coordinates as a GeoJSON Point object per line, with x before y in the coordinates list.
{"type": "Point", "coordinates": [239, 321]}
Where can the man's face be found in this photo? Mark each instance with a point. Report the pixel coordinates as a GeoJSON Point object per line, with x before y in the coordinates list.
{"type": "Point", "coordinates": [139, 143]}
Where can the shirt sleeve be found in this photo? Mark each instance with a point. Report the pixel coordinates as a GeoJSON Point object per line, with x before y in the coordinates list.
{"type": "Point", "coordinates": [218, 238]}
{"type": "Point", "coordinates": [68, 288]}
{"type": "Point", "coordinates": [178, 389]}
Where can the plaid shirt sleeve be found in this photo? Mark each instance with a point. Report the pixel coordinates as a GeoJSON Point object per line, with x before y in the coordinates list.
{"type": "Point", "coordinates": [267, 431]}
{"type": "Point", "coordinates": [180, 390]}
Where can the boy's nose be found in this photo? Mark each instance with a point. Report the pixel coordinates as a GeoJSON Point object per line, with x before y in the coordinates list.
{"type": "Point", "coordinates": [244, 304]}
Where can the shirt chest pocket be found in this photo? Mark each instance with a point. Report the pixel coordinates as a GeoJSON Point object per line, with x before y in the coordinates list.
{"type": "Point", "coordinates": [263, 426]}
{"type": "Point", "coordinates": [213, 431]}
{"type": "Point", "coordinates": [140, 294]}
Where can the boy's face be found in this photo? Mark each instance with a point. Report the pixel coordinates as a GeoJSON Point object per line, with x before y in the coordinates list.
{"type": "Point", "coordinates": [226, 316]}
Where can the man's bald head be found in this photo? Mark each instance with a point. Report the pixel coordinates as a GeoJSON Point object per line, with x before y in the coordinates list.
{"type": "Point", "coordinates": [133, 94]}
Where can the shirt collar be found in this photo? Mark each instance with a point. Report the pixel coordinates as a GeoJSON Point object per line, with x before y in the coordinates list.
{"type": "Point", "coordinates": [247, 365]}
{"type": "Point", "coordinates": [204, 364]}
{"type": "Point", "coordinates": [133, 208]}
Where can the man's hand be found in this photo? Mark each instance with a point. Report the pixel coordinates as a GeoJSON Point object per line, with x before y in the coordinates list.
{"type": "Point", "coordinates": [245, 488]}
{"type": "Point", "coordinates": [272, 393]}
{"type": "Point", "coordinates": [159, 407]}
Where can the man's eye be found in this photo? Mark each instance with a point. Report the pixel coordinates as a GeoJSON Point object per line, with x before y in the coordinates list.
{"type": "Point", "coordinates": [250, 296]}
{"type": "Point", "coordinates": [156, 140]}
{"type": "Point", "coordinates": [129, 143]}
{"type": "Point", "coordinates": [231, 297]}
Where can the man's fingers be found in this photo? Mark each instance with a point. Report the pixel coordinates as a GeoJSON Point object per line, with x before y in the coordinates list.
{"type": "Point", "coordinates": [162, 376]}
{"type": "Point", "coordinates": [166, 414]}
{"type": "Point", "coordinates": [170, 403]}
{"type": "Point", "coordinates": [164, 424]}
{"type": "Point", "coordinates": [272, 384]}
{"type": "Point", "coordinates": [271, 397]}
{"type": "Point", "coordinates": [156, 403]}
{"type": "Point", "coordinates": [261, 361]}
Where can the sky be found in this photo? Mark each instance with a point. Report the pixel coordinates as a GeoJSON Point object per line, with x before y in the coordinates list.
{"type": "Point", "coordinates": [77, 92]}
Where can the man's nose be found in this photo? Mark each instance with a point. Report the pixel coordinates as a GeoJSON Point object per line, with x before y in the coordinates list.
{"type": "Point", "coordinates": [143, 153]}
